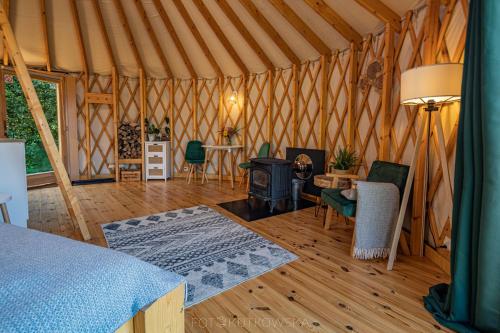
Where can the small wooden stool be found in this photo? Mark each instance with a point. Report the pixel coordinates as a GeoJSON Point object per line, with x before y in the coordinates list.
{"type": "Point", "coordinates": [4, 198]}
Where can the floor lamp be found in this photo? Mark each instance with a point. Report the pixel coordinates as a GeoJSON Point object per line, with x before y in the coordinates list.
{"type": "Point", "coordinates": [431, 85]}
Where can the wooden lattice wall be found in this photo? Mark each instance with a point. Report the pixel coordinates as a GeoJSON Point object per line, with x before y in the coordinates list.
{"type": "Point", "coordinates": [305, 105]}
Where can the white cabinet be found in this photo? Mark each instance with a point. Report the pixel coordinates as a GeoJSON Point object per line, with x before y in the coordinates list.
{"type": "Point", "coordinates": [157, 160]}
{"type": "Point", "coordinates": [13, 180]}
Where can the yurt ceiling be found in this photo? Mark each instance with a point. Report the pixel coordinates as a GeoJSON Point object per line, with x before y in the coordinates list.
{"type": "Point", "coordinates": [190, 38]}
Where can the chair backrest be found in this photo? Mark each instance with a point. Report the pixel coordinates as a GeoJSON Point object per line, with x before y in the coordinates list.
{"type": "Point", "coordinates": [195, 151]}
{"type": "Point", "coordinates": [388, 172]}
{"type": "Point", "coordinates": [264, 150]}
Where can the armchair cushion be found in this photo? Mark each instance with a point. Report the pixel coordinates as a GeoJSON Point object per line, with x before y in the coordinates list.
{"type": "Point", "coordinates": [333, 198]}
{"type": "Point", "coordinates": [245, 165]}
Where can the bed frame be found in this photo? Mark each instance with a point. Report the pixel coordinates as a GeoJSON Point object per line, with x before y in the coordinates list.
{"type": "Point", "coordinates": [166, 314]}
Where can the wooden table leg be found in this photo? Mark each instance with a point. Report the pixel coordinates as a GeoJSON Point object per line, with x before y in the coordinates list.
{"type": "Point", "coordinates": [5, 213]}
{"type": "Point", "coordinates": [204, 175]}
{"type": "Point", "coordinates": [231, 168]}
{"type": "Point", "coordinates": [329, 217]}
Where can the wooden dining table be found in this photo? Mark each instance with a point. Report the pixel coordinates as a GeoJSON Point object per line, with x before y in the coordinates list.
{"type": "Point", "coordinates": [222, 149]}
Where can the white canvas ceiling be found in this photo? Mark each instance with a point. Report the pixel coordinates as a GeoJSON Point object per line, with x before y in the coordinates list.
{"type": "Point", "coordinates": [65, 53]}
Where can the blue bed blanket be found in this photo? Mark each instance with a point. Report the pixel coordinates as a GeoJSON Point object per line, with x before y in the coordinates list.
{"type": "Point", "coordinates": [53, 284]}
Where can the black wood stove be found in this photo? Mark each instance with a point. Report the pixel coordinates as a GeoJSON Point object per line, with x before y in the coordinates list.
{"type": "Point", "coordinates": [270, 180]}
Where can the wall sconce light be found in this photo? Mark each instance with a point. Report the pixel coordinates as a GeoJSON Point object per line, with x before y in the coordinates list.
{"type": "Point", "coordinates": [233, 99]}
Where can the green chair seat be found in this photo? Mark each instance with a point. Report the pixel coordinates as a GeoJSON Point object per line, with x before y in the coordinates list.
{"type": "Point", "coordinates": [245, 165]}
{"type": "Point", "coordinates": [333, 198]}
{"type": "Point", "coordinates": [195, 161]}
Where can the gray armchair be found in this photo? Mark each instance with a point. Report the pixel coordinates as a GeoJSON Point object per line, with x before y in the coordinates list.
{"type": "Point", "coordinates": [375, 209]}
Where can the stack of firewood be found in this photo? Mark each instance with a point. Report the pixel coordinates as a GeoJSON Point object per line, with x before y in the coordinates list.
{"type": "Point", "coordinates": [129, 140]}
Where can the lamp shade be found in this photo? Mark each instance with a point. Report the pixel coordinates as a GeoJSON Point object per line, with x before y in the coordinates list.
{"type": "Point", "coordinates": [440, 83]}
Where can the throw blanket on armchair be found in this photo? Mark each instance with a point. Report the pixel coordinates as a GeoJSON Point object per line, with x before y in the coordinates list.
{"type": "Point", "coordinates": [377, 209]}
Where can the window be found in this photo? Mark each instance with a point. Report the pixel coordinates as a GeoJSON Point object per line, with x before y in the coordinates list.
{"type": "Point", "coordinates": [20, 123]}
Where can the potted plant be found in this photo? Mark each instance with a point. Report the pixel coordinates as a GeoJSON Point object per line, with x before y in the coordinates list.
{"type": "Point", "coordinates": [153, 131]}
{"type": "Point", "coordinates": [228, 133]}
{"type": "Point", "coordinates": [343, 161]}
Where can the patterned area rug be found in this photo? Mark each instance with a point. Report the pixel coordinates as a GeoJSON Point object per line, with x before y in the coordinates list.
{"type": "Point", "coordinates": [213, 252]}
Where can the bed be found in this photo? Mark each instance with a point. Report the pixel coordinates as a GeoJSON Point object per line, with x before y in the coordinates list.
{"type": "Point", "coordinates": [54, 284]}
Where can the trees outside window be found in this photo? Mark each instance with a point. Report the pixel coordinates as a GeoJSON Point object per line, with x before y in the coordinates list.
{"type": "Point", "coordinates": [20, 123]}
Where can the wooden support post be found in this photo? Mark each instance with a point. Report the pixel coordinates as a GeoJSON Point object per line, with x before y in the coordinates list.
{"type": "Point", "coordinates": [270, 107]}
{"type": "Point", "coordinates": [386, 106]}
{"type": "Point", "coordinates": [295, 104]}
{"type": "Point", "coordinates": [114, 82]}
{"type": "Point", "coordinates": [221, 124]}
{"type": "Point", "coordinates": [143, 96]}
{"type": "Point", "coordinates": [172, 125]}
{"type": "Point", "coordinates": [194, 103]}
{"type": "Point", "coordinates": [420, 188]}
{"type": "Point", "coordinates": [323, 106]}
{"type": "Point", "coordinates": [353, 88]}
{"type": "Point", "coordinates": [49, 144]}
{"type": "Point", "coordinates": [86, 112]}
{"type": "Point", "coordinates": [245, 120]}
{"type": "Point", "coordinates": [3, 107]}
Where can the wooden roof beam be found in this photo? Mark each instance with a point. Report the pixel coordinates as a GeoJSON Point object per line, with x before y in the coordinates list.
{"type": "Point", "coordinates": [153, 37]}
{"type": "Point", "coordinates": [102, 27]}
{"type": "Point", "coordinates": [336, 21]}
{"type": "Point", "coordinates": [6, 8]}
{"type": "Point", "coordinates": [220, 35]}
{"type": "Point", "coordinates": [192, 27]}
{"type": "Point", "coordinates": [270, 31]}
{"type": "Point", "coordinates": [130, 37]}
{"type": "Point", "coordinates": [173, 34]}
{"type": "Point", "coordinates": [299, 25]}
{"type": "Point", "coordinates": [235, 20]}
{"type": "Point", "coordinates": [383, 12]}
{"type": "Point", "coordinates": [79, 36]}
{"type": "Point", "coordinates": [45, 35]}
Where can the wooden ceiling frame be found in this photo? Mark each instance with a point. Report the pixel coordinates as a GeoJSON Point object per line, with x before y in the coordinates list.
{"type": "Point", "coordinates": [173, 34]}
{"type": "Point", "coordinates": [102, 27]}
{"type": "Point", "coordinates": [128, 32]}
{"type": "Point", "coordinates": [310, 36]}
{"type": "Point", "coordinates": [270, 31]}
{"type": "Point", "coordinates": [153, 37]}
{"type": "Point", "coordinates": [79, 36]}
{"type": "Point", "coordinates": [235, 20]}
{"type": "Point", "coordinates": [196, 33]}
{"type": "Point", "coordinates": [336, 21]}
{"type": "Point", "coordinates": [45, 34]}
{"type": "Point", "coordinates": [220, 35]}
{"type": "Point", "coordinates": [382, 12]}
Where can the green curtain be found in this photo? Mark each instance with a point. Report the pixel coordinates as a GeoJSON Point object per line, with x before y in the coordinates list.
{"type": "Point", "coordinates": [471, 303]}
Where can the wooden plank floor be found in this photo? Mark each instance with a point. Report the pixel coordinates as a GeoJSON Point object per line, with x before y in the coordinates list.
{"type": "Point", "coordinates": [324, 291]}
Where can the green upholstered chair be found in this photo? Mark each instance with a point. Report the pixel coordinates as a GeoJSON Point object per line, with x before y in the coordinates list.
{"type": "Point", "coordinates": [264, 151]}
{"type": "Point", "coordinates": [195, 156]}
{"type": "Point", "coordinates": [380, 172]}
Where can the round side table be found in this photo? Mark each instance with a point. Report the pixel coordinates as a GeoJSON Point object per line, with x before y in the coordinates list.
{"type": "Point", "coordinates": [332, 180]}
